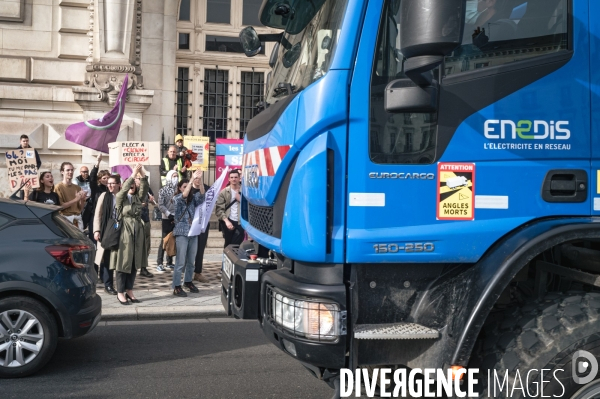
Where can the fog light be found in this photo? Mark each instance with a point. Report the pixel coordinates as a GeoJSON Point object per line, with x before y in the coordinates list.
{"type": "Point", "coordinates": [307, 317]}
{"type": "Point", "coordinates": [289, 347]}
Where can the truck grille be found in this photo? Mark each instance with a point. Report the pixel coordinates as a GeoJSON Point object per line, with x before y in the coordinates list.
{"type": "Point", "coordinates": [261, 218]}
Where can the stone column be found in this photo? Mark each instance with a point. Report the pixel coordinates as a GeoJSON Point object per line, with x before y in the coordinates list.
{"type": "Point", "coordinates": [115, 44]}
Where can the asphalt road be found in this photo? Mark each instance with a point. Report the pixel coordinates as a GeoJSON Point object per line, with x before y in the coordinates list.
{"type": "Point", "coordinates": [199, 358]}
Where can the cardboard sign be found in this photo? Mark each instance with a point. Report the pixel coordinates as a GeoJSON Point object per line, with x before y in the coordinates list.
{"type": "Point", "coordinates": [456, 191]}
{"type": "Point", "coordinates": [134, 152]}
{"type": "Point", "coordinates": [200, 145]}
{"type": "Point", "coordinates": [22, 167]}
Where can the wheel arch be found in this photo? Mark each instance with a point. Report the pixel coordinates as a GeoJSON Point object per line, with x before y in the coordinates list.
{"type": "Point", "coordinates": [52, 304]}
{"type": "Point", "coordinates": [515, 251]}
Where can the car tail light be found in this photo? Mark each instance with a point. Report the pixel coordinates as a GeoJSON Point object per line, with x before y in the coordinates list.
{"type": "Point", "coordinates": [76, 256]}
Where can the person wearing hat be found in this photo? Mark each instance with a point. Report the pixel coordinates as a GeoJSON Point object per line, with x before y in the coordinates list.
{"type": "Point", "coordinates": [181, 149]}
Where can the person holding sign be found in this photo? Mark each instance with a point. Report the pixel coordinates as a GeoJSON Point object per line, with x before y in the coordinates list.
{"type": "Point", "coordinates": [71, 196]}
{"type": "Point", "coordinates": [45, 193]}
{"type": "Point", "coordinates": [130, 257]}
{"type": "Point", "coordinates": [185, 207]}
{"type": "Point", "coordinates": [25, 144]}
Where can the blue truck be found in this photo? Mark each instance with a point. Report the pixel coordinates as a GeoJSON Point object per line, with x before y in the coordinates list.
{"type": "Point", "coordinates": [423, 186]}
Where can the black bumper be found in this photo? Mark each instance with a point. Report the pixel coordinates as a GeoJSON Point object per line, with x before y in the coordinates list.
{"type": "Point", "coordinates": [246, 299]}
{"type": "Point", "coordinates": [86, 319]}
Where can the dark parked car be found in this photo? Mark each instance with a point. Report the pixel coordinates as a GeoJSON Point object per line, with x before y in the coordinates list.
{"type": "Point", "coordinates": [47, 285]}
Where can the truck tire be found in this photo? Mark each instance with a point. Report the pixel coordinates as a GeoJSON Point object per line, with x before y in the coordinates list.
{"type": "Point", "coordinates": [540, 335]}
{"type": "Point", "coordinates": [28, 336]}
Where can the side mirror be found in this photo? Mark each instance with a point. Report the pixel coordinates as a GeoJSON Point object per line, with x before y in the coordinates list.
{"type": "Point", "coordinates": [250, 41]}
{"type": "Point", "coordinates": [403, 95]}
{"type": "Point", "coordinates": [427, 34]}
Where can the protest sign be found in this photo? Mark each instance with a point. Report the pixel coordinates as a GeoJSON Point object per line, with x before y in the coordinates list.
{"type": "Point", "coordinates": [22, 167]}
{"type": "Point", "coordinates": [203, 212]}
{"type": "Point", "coordinates": [134, 152]}
{"type": "Point", "coordinates": [229, 154]}
{"type": "Point", "coordinates": [198, 144]}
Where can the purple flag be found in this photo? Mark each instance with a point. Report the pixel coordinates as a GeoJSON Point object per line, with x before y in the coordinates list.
{"type": "Point", "coordinates": [122, 170]}
{"type": "Point", "coordinates": [97, 133]}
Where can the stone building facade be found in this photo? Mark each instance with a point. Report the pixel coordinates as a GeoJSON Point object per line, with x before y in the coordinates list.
{"type": "Point", "coordinates": [63, 61]}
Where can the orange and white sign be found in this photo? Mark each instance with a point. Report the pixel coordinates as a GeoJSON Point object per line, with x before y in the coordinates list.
{"type": "Point", "coordinates": [267, 160]}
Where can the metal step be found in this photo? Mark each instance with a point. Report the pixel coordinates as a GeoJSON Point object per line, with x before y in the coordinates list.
{"type": "Point", "coordinates": [394, 331]}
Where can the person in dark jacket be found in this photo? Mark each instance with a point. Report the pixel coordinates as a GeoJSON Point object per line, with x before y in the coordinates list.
{"type": "Point", "coordinates": [98, 185]}
{"type": "Point", "coordinates": [25, 144]}
{"type": "Point", "coordinates": [145, 216]}
{"type": "Point", "coordinates": [38, 160]}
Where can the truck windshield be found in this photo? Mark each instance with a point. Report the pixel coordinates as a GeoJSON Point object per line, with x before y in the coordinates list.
{"type": "Point", "coordinates": [305, 57]}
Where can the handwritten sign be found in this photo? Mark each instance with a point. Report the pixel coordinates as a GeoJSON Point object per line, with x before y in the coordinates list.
{"type": "Point", "coordinates": [134, 152]}
{"type": "Point", "coordinates": [198, 144]}
{"type": "Point", "coordinates": [22, 167]}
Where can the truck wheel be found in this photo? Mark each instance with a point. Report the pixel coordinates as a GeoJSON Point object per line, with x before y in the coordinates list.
{"type": "Point", "coordinates": [540, 335]}
{"type": "Point", "coordinates": [28, 336]}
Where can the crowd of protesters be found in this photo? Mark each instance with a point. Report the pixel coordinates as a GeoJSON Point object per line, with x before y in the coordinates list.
{"type": "Point", "coordinates": [96, 201]}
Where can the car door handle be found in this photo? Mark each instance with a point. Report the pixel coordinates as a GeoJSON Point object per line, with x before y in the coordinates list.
{"type": "Point", "coordinates": [565, 185]}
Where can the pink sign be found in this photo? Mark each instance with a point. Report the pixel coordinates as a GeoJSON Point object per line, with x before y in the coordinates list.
{"type": "Point", "coordinates": [228, 153]}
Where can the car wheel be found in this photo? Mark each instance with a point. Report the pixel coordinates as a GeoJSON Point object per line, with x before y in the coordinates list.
{"type": "Point", "coordinates": [28, 336]}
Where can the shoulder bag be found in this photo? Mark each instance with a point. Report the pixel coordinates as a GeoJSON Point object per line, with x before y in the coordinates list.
{"type": "Point", "coordinates": [169, 245]}
{"type": "Point", "coordinates": [111, 236]}
{"type": "Point", "coordinates": [222, 226]}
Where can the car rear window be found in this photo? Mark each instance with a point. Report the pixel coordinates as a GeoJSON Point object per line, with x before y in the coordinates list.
{"type": "Point", "coordinates": [66, 227]}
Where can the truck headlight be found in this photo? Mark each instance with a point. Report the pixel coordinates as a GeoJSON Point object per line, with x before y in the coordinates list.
{"type": "Point", "coordinates": [307, 317]}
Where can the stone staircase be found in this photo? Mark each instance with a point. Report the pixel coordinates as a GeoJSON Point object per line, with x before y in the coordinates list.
{"type": "Point", "coordinates": [214, 246]}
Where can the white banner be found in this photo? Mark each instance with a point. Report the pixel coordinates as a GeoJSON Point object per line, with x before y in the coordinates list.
{"type": "Point", "coordinates": [203, 212]}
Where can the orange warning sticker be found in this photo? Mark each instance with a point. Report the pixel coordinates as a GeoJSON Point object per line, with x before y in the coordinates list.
{"type": "Point", "coordinates": [456, 191]}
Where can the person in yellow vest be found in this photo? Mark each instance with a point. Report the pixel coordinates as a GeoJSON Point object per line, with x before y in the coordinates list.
{"type": "Point", "coordinates": [171, 162]}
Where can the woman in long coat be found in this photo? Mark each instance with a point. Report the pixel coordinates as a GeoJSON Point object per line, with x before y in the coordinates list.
{"type": "Point", "coordinates": [130, 257]}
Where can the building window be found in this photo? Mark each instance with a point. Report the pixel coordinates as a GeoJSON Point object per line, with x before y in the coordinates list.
{"type": "Point", "coordinates": [182, 104]}
{"type": "Point", "coordinates": [252, 88]}
{"type": "Point", "coordinates": [184, 10]}
{"type": "Point", "coordinates": [226, 44]}
{"type": "Point", "coordinates": [250, 12]}
{"type": "Point", "coordinates": [216, 103]}
{"type": "Point", "coordinates": [184, 41]}
{"type": "Point", "coordinates": [218, 11]}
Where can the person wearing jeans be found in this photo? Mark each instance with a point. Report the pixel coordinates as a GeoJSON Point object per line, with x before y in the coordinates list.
{"type": "Point", "coordinates": [185, 207]}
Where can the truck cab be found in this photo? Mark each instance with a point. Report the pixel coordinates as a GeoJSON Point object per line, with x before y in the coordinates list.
{"type": "Point", "coordinates": [423, 170]}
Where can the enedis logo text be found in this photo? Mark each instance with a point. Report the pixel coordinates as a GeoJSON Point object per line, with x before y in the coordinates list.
{"type": "Point", "coordinates": [498, 129]}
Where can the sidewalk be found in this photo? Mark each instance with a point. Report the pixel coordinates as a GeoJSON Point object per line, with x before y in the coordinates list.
{"type": "Point", "coordinates": [158, 301]}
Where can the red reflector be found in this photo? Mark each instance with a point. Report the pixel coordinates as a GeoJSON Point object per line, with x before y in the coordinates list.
{"type": "Point", "coordinates": [84, 324]}
{"type": "Point", "coordinates": [64, 254]}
